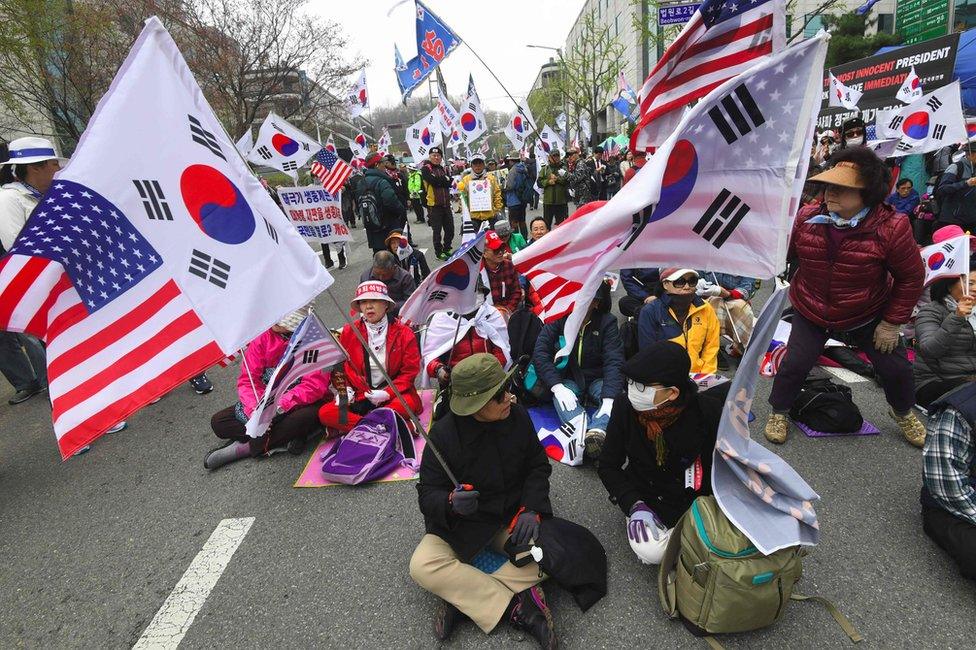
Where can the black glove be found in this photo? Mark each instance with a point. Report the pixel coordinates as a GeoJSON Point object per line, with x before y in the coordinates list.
{"type": "Point", "coordinates": [464, 502]}
{"type": "Point", "coordinates": [526, 528]}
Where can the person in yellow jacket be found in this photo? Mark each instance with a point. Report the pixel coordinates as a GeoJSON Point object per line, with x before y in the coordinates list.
{"type": "Point", "coordinates": [478, 196]}
{"type": "Point", "coordinates": [681, 316]}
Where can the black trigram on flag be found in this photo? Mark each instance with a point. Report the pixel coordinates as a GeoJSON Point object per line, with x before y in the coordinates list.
{"type": "Point", "coordinates": [306, 146]}
{"type": "Point", "coordinates": [948, 247]}
{"type": "Point", "coordinates": [264, 152]}
{"type": "Point", "coordinates": [934, 104]}
{"type": "Point", "coordinates": [895, 122]}
{"type": "Point", "coordinates": [204, 137]}
{"type": "Point", "coordinates": [744, 123]}
{"type": "Point", "coordinates": [272, 233]}
{"type": "Point", "coordinates": [276, 128]}
{"type": "Point", "coordinates": [567, 429]}
{"type": "Point", "coordinates": [289, 166]}
{"type": "Point", "coordinates": [310, 356]}
{"type": "Point", "coordinates": [939, 131]}
{"type": "Point", "coordinates": [416, 134]}
{"type": "Point", "coordinates": [474, 255]}
{"type": "Point", "coordinates": [437, 296]}
{"type": "Point", "coordinates": [721, 218]}
{"type": "Point", "coordinates": [468, 228]}
{"type": "Point", "coordinates": [209, 268]}
{"type": "Point", "coordinates": [950, 262]}
{"type": "Point", "coordinates": [153, 200]}
{"type": "Point", "coordinates": [904, 146]}
{"type": "Point", "coordinates": [571, 449]}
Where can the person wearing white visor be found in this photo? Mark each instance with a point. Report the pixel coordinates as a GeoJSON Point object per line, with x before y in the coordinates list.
{"type": "Point", "coordinates": [657, 455]}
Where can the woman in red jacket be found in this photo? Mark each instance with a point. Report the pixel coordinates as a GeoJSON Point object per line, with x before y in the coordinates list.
{"type": "Point", "coordinates": [858, 277]}
{"type": "Point", "coordinates": [393, 343]}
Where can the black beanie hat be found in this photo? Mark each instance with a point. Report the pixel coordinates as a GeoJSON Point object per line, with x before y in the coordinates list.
{"type": "Point", "coordinates": [663, 362]}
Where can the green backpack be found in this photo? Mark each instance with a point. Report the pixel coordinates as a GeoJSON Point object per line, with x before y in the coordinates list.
{"type": "Point", "coordinates": [717, 581]}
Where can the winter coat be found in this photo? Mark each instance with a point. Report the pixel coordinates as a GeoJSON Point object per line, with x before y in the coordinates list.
{"type": "Point", "coordinates": [640, 283]}
{"type": "Point", "coordinates": [598, 353]}
{"type": "Point", "coordinates": [515, 243]}
{"type": "Point", "coordinates": [945, 346]}
{"type": "Point", "coordinates": [400, 286]}
{"type": "Point", "coordinates": [849, 277]}
{"type": "Point", "coordinates": [16, 204]}
{"type": "Point", "coordinates": [699, 334]}
{"type": "Point", "coordinates": [585, 181]}
{"type": "Point", "coordinates": [402, 359]}
{"type": "Point", "coordinates": [264, 353]}
{"type": "Point", "coordinates": [438, 183]}
{"type": "Point", "coordinates": [392, 209]}
{"type": "Point", "coordinates": [554, 193]}
{"type": "Point", "coordinates": [497, 205]}
{"type": "Point", "coordinates": [517, 185]}
{"type": "Point", "coordinates": [905, 205]}
{"type": "Point", "coordinates": [957, 200]}
{"type": "Point", "coordinates": [503, 460]}
{"type": "Point", "coordinates": [689, 439]}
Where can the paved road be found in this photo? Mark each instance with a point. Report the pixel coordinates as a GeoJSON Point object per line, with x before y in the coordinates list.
{"type": "Point", "coordinates": [93, 547]}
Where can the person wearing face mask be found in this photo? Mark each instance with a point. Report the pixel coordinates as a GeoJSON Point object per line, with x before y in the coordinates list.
{"type": "Point", "coordinates": [297, 409]}
{"type": "Point", "coordinates": [658, 453]}
{"type": "Point", "coordinates": [681, 316]}
{"type": "Point", "coordinates": [852, 133]}
{"type": "Point", "coordinates": [590, 375]}
{"type": "Point", "coordinates": [393, 343]}
{"type": "Point", "coordinates": [858, 278]}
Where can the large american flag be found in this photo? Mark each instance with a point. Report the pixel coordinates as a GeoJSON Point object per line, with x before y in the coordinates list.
{"type": "Point", "coordinates": [91, 259]}
{"type": "Point", "coordinates": [331, 170]}
{"type": "Point", "coordinates": [720, 41]}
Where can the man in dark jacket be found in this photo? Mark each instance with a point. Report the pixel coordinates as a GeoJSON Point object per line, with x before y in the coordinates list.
{"type": "Point", "coordinates": [399, 282]}
{"type": "Point", "coordinates": [438, 201]}
{"type": "Point", "coordinates": [489, 443]}
{"type": "Point", "coordinates": [591, 375]}
{"type": "Point", "coordinates": [518, 191]}
{"type": "Point", "coordinates": [553, 179]}
{"type": "Point", "coordinates": [377, 184]}
{"type": "Point", "coordinates": [640, 285]}
{"type": "Point", "coordinates": [956, 192]}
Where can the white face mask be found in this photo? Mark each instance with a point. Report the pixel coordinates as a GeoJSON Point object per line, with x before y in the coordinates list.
{"type": "Point", "coordinates": [642, 397]}
{"type": "Point", "coordinates": [855, 142]}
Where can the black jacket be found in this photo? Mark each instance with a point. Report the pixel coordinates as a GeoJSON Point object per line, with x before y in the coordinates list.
{"type": "Point", "coordinates": [957, 200]}
{"type": "Point", "coordinates": [503, 460]}
{"type": "Point", "coordinates": [380, 183]}
{"type": "Point", "coordinates": [597, 354]}
{"type": "Point", "coordinates": [692, 436]}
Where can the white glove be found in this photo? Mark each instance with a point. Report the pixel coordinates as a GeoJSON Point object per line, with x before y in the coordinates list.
{"type": "Point", "coordinates": [706, 288]}
{"type": "Point", "coordinates": [605, 407]}
{"type": "Point", "coordinates": [378, 397]}
{"type": "Point", "coordinates": [566, 398]}
{"type": "Point", "coordinates": [349, 396]}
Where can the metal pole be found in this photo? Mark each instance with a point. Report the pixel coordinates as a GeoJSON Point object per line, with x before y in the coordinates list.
{"type": "Point", "coordinates": [728, 314]}
{"type": "Point", "coordinates": [518, 106]}
{"type": "Point", "coordinates": [396, 391]}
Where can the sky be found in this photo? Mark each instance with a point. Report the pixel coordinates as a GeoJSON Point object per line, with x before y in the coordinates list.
{"type": "Point", "coordinates": [498, 30]}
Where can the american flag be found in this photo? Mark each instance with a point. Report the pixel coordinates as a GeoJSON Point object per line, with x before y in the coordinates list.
{"type": "Point", "coordinates": [722, 39]}
{"type": "Point", "coordinates": [331, 171]}
{"type": "Point", "coordinates": [92, 260]}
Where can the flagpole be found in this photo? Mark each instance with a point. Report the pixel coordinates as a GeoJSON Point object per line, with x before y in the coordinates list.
{"type": "Point", "coordinates": [518, 106]}
{"type": "Point", "coordinates": [396, 391]}
{"type": "Point", "coordinates": [250, 379]}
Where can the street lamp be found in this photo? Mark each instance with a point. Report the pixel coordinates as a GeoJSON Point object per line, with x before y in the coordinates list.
{"type": "Point", "coordinates": [562, 71]}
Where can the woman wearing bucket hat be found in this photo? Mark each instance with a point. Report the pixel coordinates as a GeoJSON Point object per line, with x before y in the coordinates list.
{"type": "Point", "coordinates": [299, 406]}
{"type": "Point", "coordinates": [393, 343]}
{"type": "Point", "coordinates": [490, 443]}
{"type": "Point", "coordinates": [858, 278]}
{"type": "Point", "coordinates": [657, 455]}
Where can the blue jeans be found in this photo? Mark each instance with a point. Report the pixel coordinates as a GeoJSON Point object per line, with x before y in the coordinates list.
{"type": "Point", "coordinates": [593, 397]}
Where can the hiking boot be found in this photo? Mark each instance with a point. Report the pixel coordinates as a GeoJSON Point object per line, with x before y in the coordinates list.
{"type": "Point", "coordinates": [777, 426]}
{"type": "Point", "coordinates": [593, 443]}
{"type": "Point", "coordinates": [911, 427]}
{"type": "Point", "coordinates": [201, 384]}
{"type": "Point", "coordinates": [531, 613]}
{"type": "Point", "coordinates": [25, 394]}
{"type": "Point", "coordinates": [446, 616]}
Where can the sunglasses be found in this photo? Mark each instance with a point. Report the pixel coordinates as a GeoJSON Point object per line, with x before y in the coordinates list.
{"type": "Point", "coordinates": [501, 395]}
{"type": "Point", "coordinates": [850, 133]}
{"type": "Point", "coordinates": [686, 281]}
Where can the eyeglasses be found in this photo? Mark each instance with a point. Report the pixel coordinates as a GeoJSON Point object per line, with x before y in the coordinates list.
{"type": "Point", "coordinates": [686, 281]}
{"type": "Point", "coordinates": [501, 395]}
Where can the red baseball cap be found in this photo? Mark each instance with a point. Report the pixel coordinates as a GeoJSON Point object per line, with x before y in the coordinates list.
{"type": "Point", "coordinates": [493, 241]}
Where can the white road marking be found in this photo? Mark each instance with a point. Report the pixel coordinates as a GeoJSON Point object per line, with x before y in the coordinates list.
{"type": "Point", "coordinates": [178, 611]}
{"type": "Point", "coordinates": [845, 375]}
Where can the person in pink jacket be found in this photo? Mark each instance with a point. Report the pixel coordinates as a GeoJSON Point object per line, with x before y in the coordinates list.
{"type": "Point", "coordinates": [297, 409]}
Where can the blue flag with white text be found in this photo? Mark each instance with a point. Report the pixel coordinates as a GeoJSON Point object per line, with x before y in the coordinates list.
{"type": "Point", "coordinates": [435, 40]}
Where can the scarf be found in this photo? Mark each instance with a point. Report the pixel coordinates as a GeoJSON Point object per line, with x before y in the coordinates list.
{"type": "Point", "coordinates": [655, 422]}
{"type": "Point", "coordinates": [376, 334]}
{"type": "Point", "coordinates": [952, 303]}
{"type": "Point", "coordinates": [837, 221]}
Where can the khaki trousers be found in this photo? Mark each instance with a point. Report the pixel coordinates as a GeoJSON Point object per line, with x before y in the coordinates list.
{"type": "Point", "coordinates": [482, 597]}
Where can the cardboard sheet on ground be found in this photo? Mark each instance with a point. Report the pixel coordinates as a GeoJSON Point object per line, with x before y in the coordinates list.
{"type": "Point", "coordinates": [311, 476]}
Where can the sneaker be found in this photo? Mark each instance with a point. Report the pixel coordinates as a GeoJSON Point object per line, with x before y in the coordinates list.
{"type": "Point", "coordinates": [777, 426]}
{"type": "Point", "coordinates": [442, 256]}
{"type": "Point", "coordinates": [531, 613]}
{"type": "Point", "coordinates": [343, 264]}
{"type": "Point", "coordinates": [118, 427]}
{"type": "Point", "coordinates": [911, 427]}
{"type": "Point", "coordinates": [593, 443]}
{"type": "Point", "coordinates": [446, 616]}
{"type": "Point", "coordinates": [201, 384]}
{"type": "Point", "coordinates": [24, 395]}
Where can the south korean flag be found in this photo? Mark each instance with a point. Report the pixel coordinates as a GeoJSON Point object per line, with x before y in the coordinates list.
{"type": "Point", "coordinates": [946, 259]}
{"type": "Point", "coordinates": [565, 443]}
{"type": "Point", "coordinates": [282, 146]}
{"type": "Point", "coordinates": [928, 124]}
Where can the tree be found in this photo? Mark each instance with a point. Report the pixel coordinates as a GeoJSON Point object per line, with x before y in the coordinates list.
{"type": "Point", "coordinates": [848, 41]}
